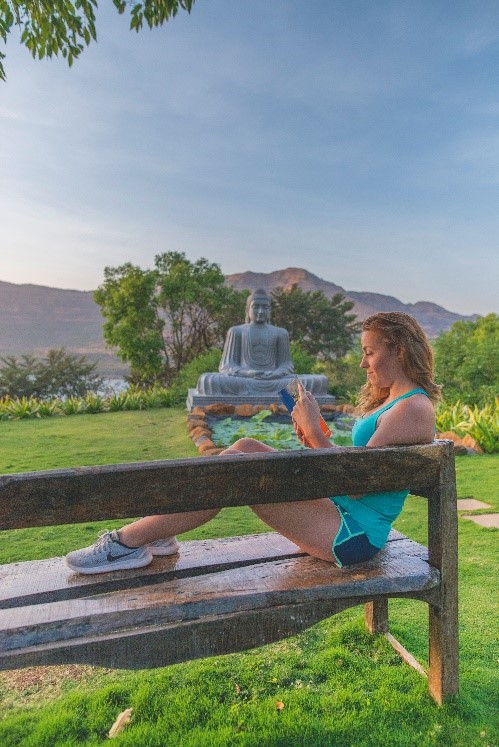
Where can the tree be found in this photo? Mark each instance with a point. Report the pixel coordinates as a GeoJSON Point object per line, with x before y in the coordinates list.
{"type": "Point", "coordinates": [321, 325]}
{"type": "Point", "coordinates": [60, 374]}
{"type": "Point", "coordinates": [50, 27]}
{"type": "Point", "coordinates": [466, 360]}
{"type": "Point", "coordinates": [161, 319]}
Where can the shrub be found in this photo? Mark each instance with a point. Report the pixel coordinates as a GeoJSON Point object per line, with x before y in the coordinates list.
{"type": "Point", "coordinates": [466, 361]}
{"type": "Point", "coordinates": [303, 362]}
{"type": "Point", "coordinates": [482, 424]}
{"type": "Point", "coordinates": [59, 374]}
{"type": "Point", "coordinates": [345, 376]}
{"type": "Point", "coordinates": [71, 406]}
{"type": "Point", "coordinates": [190, 373]}
{"type": "Point", "coordinates": [19, 408]}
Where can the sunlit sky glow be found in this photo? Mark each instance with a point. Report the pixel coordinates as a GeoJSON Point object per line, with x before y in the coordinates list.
{"type": "Point", "coordinates": [359, 140]}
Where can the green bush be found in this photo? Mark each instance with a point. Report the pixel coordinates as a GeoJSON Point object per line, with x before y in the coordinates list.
{"type": "Point", "coordinates": [18, 408]}
{"type": "Point", "coordinates": [466, 361]}
{"type": "Point", "coordinates": [482, 424]}
{"type": "Point", "coordinates": [345, 376]}
{"type": "Point", "coordinates": [303, 362]}
{"type": "Point", "coordinates": [135, 398]}
{"type": "Point", "coordinates": [188, 375]}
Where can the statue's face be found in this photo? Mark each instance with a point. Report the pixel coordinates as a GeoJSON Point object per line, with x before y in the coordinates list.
{"type": "Point", "coordinates": [259, 311]}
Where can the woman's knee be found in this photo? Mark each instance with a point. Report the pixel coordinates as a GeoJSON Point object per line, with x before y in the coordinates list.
{"type": "Point", "coordinates": [250, 445]}
{"type": "Point", "coordinates": [207, 514]}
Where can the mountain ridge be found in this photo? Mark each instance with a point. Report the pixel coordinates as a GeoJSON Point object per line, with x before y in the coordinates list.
{"type": "Point", "coordinates": [35, 318]}
{"type": "Point", "coordinates": [432, 317]}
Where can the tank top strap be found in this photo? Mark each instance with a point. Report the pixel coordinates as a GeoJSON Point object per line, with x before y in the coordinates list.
{"type": "Point", "coordinates": [363, 428]}
{"type": "Point", "coordinates": [394, 402]}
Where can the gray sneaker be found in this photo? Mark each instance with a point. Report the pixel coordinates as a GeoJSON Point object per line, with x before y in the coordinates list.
{"type": "Point", "coordinates": [108, 554]}
{"type": "Point", "coordinates": [166, 546]}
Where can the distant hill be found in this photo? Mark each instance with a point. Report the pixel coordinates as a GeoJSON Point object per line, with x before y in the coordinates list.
{"type": "Point", "coordinates": [35, 318]}
{"type": "Point", "coordinates": [432, 318]}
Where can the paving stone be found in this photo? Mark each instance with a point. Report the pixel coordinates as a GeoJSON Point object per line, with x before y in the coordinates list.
{"type": "Point", "coordinates": [485, 520]}
{"type": "Point", "coordinates": [471, 504]}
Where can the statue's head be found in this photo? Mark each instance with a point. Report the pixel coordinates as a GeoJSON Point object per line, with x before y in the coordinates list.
{"type": "Point", "coordinates": [258, 307]}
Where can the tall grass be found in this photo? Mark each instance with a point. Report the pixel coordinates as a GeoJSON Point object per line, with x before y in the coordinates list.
{"type": "Point", "coordinates": [134, 398]}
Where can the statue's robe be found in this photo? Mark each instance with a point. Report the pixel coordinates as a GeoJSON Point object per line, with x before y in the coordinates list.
{"type": "Point", "coordinates": [256, 360]}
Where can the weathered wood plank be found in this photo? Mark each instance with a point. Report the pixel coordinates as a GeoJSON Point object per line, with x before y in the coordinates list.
{"type": "Point", "coordinates": [162, 645]}
{"type": "Point", "coordinates": [127, 490]}
{"type": "Point", "coordinates": [376, 616]}
{"type": "Point", "coordinates": [401, 568]}
{"type": "Point", "coordinates": [42, 581]}
{"type": "Point", "coordinates": [443, 672]}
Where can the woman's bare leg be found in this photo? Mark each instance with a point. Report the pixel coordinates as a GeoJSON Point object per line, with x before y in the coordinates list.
{"type": "Point", "coordinates": [311, 525]}
{"type": "Point", "coordinates": [152, 528]}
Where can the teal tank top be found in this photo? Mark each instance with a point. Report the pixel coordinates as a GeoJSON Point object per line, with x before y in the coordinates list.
{"type": "Point", "coordinates": [375, 512]}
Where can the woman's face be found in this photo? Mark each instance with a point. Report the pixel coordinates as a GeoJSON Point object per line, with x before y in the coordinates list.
{"type": "Point", "coordinates": [381, 362]}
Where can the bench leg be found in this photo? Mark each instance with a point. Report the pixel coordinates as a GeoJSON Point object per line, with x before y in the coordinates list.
{"type": "Point", "coordinates": [443, 672]}
{"type": "Point", "coordinates": [376, 616]}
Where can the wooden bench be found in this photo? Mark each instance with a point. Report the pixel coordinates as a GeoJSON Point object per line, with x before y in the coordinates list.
{"type": "Point", "coordinates": [226, 595]}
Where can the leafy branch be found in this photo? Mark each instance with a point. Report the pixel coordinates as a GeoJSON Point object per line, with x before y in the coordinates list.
{"type": "Point", "coordinates": [52, 27]}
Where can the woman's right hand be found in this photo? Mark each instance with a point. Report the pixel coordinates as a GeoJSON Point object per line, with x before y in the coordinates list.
{"type": "Point", "coordinates": [306, 417]}
{"type": "Point", "coordinates": [299, 433]}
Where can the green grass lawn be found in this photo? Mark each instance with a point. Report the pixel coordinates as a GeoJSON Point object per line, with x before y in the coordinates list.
{"type": "Point", "coordinates": [339, 686]}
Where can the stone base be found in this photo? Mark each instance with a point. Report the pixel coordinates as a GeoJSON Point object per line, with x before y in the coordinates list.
{"type": "Point", "coordinates": [194, 399]}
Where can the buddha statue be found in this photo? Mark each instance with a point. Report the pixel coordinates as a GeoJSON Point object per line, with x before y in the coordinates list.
{"type": "Point", "coordinates": [256, 358]}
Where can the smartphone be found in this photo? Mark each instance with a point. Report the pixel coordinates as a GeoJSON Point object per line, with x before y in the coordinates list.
{"type": "Point", "coordinates": [289, 396]}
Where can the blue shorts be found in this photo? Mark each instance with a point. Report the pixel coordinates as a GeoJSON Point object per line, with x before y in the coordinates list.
{"type": "Point", "coordinates": [351, 544]}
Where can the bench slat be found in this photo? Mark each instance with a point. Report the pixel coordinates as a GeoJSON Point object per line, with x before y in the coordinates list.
{"type": "Point", "coordinates": [400, 569]}
{"type": "Point", "coordinates": [42, 581]}
{"type": "Point", "coordinates": [122, 491]}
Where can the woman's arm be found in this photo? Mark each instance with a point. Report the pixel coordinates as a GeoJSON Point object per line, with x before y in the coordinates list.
{"type": "Point", "coordinates": [411, 421]}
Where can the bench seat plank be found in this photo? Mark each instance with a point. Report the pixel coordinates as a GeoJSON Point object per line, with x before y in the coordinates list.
{"type": "Point", "coordinates": [133, 627]}
{"type": "Point", "coordinates": [42, 581]}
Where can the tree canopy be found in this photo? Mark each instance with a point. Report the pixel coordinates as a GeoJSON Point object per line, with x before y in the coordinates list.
{"type": "Point", "coordinates": [59, 374]}
{"type": "Point", "coordinates": [50, 27]}
{"type": "Point", "coordinates": [161, 319]}
{"type": "Point", "coordinates": [322, 326]}
{"type": "Point", "coordinates": [466, 360]}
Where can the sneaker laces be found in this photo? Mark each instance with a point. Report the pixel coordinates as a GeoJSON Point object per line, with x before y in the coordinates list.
{"type": "Point", "coordinates": [102, 538]}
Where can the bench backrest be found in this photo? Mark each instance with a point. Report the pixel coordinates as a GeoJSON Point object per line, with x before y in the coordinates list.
{"type": "Point", "coordinates": [128, 490]}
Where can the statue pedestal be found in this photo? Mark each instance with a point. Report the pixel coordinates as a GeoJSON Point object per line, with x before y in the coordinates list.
{"type": "Point", "coordinates": [195, 399]}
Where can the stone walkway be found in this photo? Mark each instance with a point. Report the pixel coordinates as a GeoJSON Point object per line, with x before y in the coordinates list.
{"type": "Point", "coordinates": [484, 520]}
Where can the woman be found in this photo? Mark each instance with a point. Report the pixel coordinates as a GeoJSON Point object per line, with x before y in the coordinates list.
{"type": "Point", "coordinates": [396, 406]}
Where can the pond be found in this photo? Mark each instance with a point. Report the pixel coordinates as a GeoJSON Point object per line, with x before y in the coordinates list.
{"type": "Point", "coordinates": [274, 430]}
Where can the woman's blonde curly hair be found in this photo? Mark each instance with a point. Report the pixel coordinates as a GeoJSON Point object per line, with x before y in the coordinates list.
{"type": "Point", "coordinates": [402, 332]}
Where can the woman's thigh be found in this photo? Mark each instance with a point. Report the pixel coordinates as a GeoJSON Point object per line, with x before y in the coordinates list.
{"type": "Point", "coordinates": [312, 525]}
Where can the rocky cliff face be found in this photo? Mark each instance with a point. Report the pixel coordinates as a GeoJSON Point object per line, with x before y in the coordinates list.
{"type": "Point", "coordinates": [433, 318]}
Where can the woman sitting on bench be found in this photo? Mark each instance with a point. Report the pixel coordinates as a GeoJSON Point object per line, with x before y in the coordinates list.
{"type": "Point", "coordinates": [397, 408]}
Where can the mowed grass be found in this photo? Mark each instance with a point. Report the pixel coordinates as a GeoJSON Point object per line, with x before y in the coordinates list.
{"type": "Point", "coordinates": [333, 685]}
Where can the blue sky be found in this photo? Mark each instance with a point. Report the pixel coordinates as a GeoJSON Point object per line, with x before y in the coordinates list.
{"type": "Point", "coordinates": [359, 140]}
